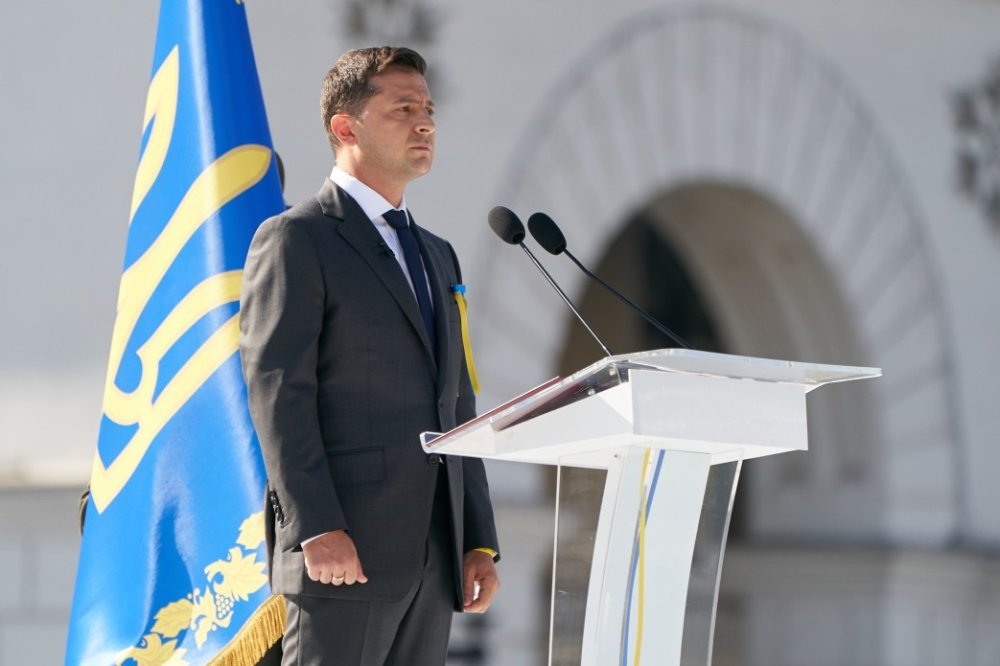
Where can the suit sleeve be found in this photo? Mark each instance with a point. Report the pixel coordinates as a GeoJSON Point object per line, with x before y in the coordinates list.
{"type": "Point", "coordinates": [281, 316]}
{"type": "Point", "coordinates": [479, 530]}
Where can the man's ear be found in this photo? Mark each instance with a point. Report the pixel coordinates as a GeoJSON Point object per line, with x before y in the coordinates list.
{"type": "Point", "coordinates": [340, 127]}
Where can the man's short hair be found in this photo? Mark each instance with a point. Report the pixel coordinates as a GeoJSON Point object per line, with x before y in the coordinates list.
{"type": "Point", "coordinates": [347, 85]}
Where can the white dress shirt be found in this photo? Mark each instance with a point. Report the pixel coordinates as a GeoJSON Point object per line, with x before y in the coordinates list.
{"type": "Point", "coordinates": [375, 206]}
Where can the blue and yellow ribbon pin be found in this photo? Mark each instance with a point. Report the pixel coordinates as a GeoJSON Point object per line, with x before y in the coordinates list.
{"type": "Point", "coordinates": [458, 290]}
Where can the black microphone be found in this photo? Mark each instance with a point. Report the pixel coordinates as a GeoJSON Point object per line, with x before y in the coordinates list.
{"type": "Point", "coordinates": [544, 230]}
{"type": "Point", "coordinates": [384, 247]}
{"type": "Point", "coordinates": [508, 227]}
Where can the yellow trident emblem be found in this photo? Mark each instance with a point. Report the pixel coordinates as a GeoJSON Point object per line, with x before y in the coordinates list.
{"type": "Point", "coordinates": [222, 181]}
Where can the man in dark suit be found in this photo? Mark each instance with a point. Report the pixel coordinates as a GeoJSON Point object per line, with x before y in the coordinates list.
{"type": "Point", "coordinates": [351, 346]}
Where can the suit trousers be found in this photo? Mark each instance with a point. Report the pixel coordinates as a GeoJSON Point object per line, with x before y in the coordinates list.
{"type": "Point", "coordinates": [320, 631]}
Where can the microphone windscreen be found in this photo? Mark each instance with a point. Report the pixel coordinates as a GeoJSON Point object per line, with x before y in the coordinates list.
{"type": "Point", "coordinates": [506, 225]}
{"type": "Point", "coordinates": [547, 233]}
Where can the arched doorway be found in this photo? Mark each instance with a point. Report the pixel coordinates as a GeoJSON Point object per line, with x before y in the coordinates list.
{"type": "Point", "coordinates": [705, 150]}
{"type": "Point", "coordinates": [730, 271]}
{"type": "Point", "coordinates": [700, 106]}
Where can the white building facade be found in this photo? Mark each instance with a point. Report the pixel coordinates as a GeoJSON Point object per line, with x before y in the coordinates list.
{"type": "Point", "coordinates": [816, 181]}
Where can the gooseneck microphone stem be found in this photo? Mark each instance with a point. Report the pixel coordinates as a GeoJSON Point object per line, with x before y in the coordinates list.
{"type": "Point", "coordinates": [645, 315]}
{"type": "Point", "coordinates": [508, 227]}
{"type": "Point", "coordinates": [550, 237]}
{"type": "Point", "coordinates": [565, 298]}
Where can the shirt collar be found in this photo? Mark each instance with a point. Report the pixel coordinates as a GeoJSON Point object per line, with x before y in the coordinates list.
{"type": "Point", "coordinates": [372, 203]}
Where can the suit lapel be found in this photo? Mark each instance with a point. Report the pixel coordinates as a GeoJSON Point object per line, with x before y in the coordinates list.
{"type": "Point", "coordinates": [360, 233]}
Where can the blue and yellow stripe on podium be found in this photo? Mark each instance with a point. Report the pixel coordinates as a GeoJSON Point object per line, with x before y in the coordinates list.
{"type": "Point", "coordinates": [637, 570]}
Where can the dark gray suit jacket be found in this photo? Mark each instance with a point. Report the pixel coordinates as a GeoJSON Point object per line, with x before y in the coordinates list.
{"type": "Point", "coordinates": [341, 381]}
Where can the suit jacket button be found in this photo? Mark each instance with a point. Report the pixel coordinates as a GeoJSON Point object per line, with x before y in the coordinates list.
{"type": "Point", "coordinates": [433, 459]}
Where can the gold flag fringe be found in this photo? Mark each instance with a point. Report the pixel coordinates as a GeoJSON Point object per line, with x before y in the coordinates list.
{"type": "Point", "coordinates": [262, 630]}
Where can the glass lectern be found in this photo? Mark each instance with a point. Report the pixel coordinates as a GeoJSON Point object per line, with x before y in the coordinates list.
{"type": "Point", "coordinates": [672, 429]}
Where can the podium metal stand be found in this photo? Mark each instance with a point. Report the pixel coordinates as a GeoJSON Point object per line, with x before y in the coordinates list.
{"type": "Point", "coordinates": [672, 428]}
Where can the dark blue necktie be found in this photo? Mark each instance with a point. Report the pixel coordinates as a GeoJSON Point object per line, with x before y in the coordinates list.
{"type": "Point", "coordinates": [399, 220]}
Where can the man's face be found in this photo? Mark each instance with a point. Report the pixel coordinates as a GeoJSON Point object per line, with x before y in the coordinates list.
{"type": "Point", "coordinates": [395, 129]}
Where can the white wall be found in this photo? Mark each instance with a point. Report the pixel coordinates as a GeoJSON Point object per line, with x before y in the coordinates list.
{"type": "Point", "coordinates": [38, 564]}
{"type": "Point", "coordinates": [73, 79]}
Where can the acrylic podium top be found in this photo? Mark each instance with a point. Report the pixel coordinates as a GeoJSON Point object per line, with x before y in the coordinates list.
{"type": "Point", "coordinates": [745, 367]}
{"type": "Point", "coordinates": [614, 371]}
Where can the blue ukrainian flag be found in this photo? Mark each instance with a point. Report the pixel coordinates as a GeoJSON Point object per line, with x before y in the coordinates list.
{"type": "Point", "coordinates": [172, 565]}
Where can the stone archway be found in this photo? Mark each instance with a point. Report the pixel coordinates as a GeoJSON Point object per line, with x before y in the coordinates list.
{"type": "Point", "coordinates": [724, 109]}
{"type": "Point", "coordinates": [730, 271]}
